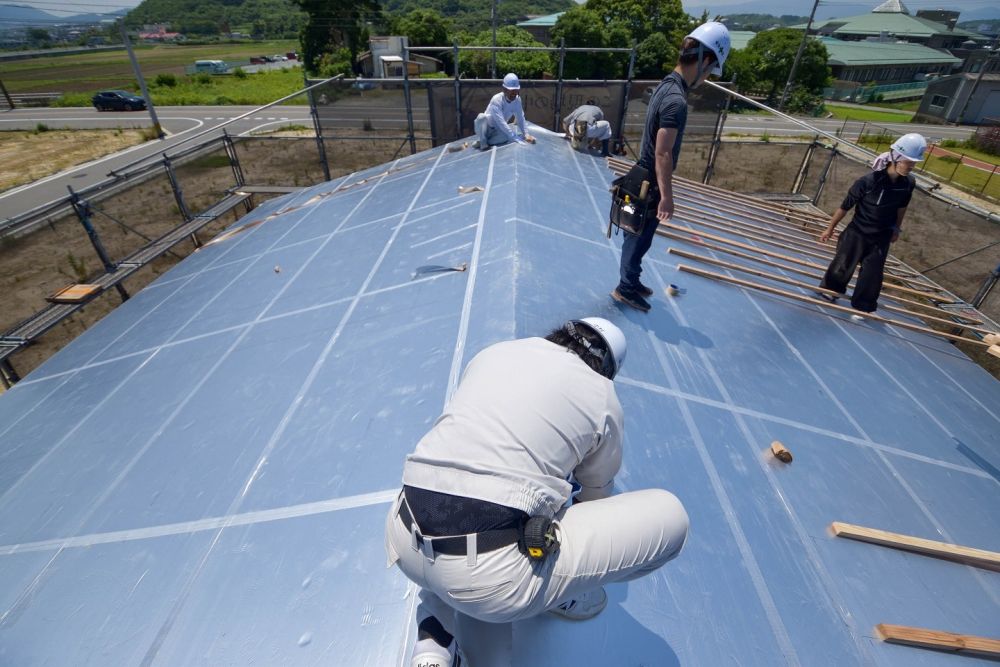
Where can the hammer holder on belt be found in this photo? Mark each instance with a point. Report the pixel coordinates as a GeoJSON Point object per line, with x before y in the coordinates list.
{"type": "Point", "coordinates": [631, 197]}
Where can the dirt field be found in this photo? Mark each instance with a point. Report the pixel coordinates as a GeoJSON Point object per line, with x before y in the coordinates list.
{"type": "Point", "coordinates": [29, 156]}
{"type": "Point", "coordinates": [59, 253]}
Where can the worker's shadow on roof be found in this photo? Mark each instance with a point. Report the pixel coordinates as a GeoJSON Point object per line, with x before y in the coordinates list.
{"type": "Point", "coordinates": [615, 637]}
{"type": "Point", "coordinates": [661, 321]}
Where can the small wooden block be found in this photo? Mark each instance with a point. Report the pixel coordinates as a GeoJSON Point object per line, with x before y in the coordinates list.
{"type": "Point", "coordinates": [994, 350]}
{"type": "Point", "coordinates": [466, 189]}
{"type": "Point", "coordinates": [938, 639]}
{"type": "Point", "coordinates": [967, 555]}
{"type": "Point", "coordinates": [780, 452]}
{"type": "Point", "coordinates": [75, 293]}
{"type": "Point", "coordinates": [992, 339]}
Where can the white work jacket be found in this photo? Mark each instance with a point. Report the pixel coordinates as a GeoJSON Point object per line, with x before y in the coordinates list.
{"type": "Point", "coordinates": [499, 110]}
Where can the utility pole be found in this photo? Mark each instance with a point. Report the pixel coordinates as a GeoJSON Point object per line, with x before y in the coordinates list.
{"type": "Point", "coordinates": [798, 55]}
{"type": "Point", "coordinates": [3, 89]}
{"type": "Point", "coordinates": [493, 53]}
{"type": "Point", "coordinates": [142, 81]}
{"type": "Point", "coordinates": [982, 70]}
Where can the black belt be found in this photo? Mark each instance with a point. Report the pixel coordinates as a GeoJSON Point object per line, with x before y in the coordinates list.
{"type": "Point", "coordinates": [486, 541]}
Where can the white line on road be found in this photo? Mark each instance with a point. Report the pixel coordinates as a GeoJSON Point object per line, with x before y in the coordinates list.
{"type": "Point", "coordinates": [92, 163]}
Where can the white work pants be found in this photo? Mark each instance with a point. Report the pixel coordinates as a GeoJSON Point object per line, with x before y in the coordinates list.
{"type": "Point", "coordinates": [600, 130]}
{"type": "Point", "coordinates": [603, 541]}
{"type": "Point", "coordinates": [488, 135]}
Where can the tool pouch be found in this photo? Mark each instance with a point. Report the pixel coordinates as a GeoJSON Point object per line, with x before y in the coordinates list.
{"type": "Point", "coordinates": [630, 201]}
{"type": "Point", "coordinates": [538, 538]}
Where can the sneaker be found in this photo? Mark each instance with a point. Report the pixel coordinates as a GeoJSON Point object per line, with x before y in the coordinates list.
{"type": "Point", "coordinates": [643, 290]}
{"type": "Point", "coordinates": [428, 653]}
{"type": "Point", "coordinates": [588, 605]}
{"type": "Point", "coordinates": [631, 299]}
{"type": "Point", "coordinates": [857, 318]}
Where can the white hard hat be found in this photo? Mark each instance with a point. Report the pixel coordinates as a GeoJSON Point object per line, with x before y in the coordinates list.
{"type": "Point", "coordinates": [910, 147]}
{"type": "Point", "coordinates": [510, 82]}
{"type": "Point", "coordinates": [614, 342]}
{"type": "Point", "coordinates": [715, 37]}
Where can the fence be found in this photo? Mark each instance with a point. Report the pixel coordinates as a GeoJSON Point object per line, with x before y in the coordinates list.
{"type": "Point", "coordinates": [123, 232]}
{"type": "Point", "coordinates": [863, 94]}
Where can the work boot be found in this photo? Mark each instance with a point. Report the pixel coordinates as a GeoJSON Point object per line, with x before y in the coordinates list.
{"type": "Point", "coordinates": [631, 299]}
{"type": "Point", "coordinates": [588, 605]}
{"type": "Point", "coordinates": [826, 297]}
{"type": "Point", "coordinates": [643, 290]}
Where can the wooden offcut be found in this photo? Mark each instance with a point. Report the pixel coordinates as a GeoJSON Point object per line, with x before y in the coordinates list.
{"type": "Point", "coordinates": [989, 560]}
{"type": "Point", "coordinates": [77, 293]}
{"type": "Point", "coordinates": [994, 350]}
{"type": "Point", "coordinates": [781, 452]}
{"type": "Point", "coordinates": [992, 339]}
{"type": "Point", "coordinates": [939, 640]}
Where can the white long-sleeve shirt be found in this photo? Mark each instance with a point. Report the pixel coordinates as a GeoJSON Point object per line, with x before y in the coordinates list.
{"type": "Point", "coordinates": [499, 110]}
{"type": "Point", "coordinates": [526, 414]}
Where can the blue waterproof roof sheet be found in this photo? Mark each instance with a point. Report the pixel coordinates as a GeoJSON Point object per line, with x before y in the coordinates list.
{"type": "Point", "coordinates": [202, 477]}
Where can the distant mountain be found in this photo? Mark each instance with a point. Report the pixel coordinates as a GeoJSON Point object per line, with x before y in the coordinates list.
{"type": "Point", "coordinates": [30, 16]}
{"type": "Point", "coordinates": [981, 14]}
{"type": "Point", "coordinates": [22, 15]}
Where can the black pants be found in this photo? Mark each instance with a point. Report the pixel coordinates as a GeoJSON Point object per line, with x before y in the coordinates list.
{"type": "Point", "coordinates": [634, 248]}
{"type": "Point", "coordinates": [855, 248]}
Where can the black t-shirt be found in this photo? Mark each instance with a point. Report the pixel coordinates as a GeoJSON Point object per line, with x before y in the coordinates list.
{"type": "Point", "coordinates": [667, 109]}
{"type": "Point", "coordinates": [878, 199]}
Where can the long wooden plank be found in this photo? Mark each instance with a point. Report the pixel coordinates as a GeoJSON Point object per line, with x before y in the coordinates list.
{"type": "Point", "coordinates": [967, 555]}
{"type": "Point", "coordinates": [736, 228]}
{"type": "Point", "coordinates": [776, 255]}
{"type": "Point", "coordinates": [825, 304]}
{"type": "Point", "coordinates": [798, 283]}
{"type": "Point", "coordinates": [801, 235]}
{"type": "Point", "coordinates": [939, 640]}
{"type": "Point", "coordinates": [704, 191]}
{"type": "Point", "coordinates": [962, 319]}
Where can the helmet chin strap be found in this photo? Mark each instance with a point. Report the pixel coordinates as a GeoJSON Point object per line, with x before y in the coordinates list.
{"type": "Point", "coordinates": [701, 60]}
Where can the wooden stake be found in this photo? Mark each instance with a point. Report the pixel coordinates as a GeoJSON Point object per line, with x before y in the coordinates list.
{"type": "Point", "coordinates": [938, 640]}
{"type": "Point", "coordinates": [798, 283]}
{"type": "Point", "coordinates": [824, 304]}
{"type": "Point", "coordinates": [817, 276]}
{"type": "Point", "coordinates": [965, 555]}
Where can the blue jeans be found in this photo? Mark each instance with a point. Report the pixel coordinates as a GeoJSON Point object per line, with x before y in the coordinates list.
{"type": "Point", "coordinates": [634, 249]}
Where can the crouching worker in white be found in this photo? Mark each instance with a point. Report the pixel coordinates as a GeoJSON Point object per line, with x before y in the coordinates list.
{"type": "Point", "coordinates": [483, 524]}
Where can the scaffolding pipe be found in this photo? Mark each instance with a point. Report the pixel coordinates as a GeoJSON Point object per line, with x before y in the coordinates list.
{"type": "Point", "coordinates": [82, 209]}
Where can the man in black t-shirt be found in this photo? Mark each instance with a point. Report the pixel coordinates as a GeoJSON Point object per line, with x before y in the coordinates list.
{"type": "Point", "coordinates": [880, 199]}
{"type": "Point", "coordinates": [702, 53]}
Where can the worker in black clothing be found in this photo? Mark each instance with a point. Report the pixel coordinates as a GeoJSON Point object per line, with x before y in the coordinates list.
{"type": "Point", "coordinates": [881, 198]}
{"type": "Point", "coordinates": [702, 53]}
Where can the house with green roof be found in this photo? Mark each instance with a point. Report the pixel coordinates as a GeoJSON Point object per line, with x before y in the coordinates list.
{"type": "Point", "coordinates": [892, 21]}
{"type": "Point", "coordinates": [540, 27]}
{"type": "Point", "coordinates": [886, 63]}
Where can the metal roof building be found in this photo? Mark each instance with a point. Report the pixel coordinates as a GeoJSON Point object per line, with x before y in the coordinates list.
{"type": "Point", "coordinates": [892, 19]}
{"type": "Point", "coordinates": [203, 476]}
{"type": "Point", "coordinates": [885, 62]}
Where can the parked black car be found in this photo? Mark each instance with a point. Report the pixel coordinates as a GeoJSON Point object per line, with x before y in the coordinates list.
{"type": "Point", "coordinates": [118, 100]}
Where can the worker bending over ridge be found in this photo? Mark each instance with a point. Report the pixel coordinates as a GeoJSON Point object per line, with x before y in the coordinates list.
{"type": "Point", "coordinates": [485, 524]}
{"type": "Point", "coordinates": [586, 123]}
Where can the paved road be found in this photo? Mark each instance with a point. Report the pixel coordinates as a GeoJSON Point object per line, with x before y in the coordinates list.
{"type": "Point", "coordinates": [349, 113]}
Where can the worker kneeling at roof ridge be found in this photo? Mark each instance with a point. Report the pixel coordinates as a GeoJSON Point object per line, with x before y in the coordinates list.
{"type": "Point", "coordinates": [493, 126]}
{"type": "Point", "coordinates": [485, 525]}
{"type": "Point", "coordinates": [586, 123]}
{"type": "Point", "coordinates": [879, 199]}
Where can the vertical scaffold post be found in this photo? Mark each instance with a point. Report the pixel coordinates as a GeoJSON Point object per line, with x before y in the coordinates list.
{"type": "Point", "coordinates": [800, 176]}
{"type": "Point", "coordinates": [716, 146]}
{"type": "Point", "coordinates": [559, 85]}
{"type": "Point", "coordinates": [409, 101]}
{"type": "Point", "coordinates": [620, 136]}
{"type": "Point", "coordinates": [179, 197]}
{"type": "Point", "coordinates": [458, 96]}
{"type": "Point", "coordinates": [8, 375]}
{"type": "Point", "coordinates": [822, 176]}
{"type": "Point", "coordinates": [318, 129]}
{"type": "Point", "coordinates": [82, 210]}
{"type": "Point", "coordinates": [234, 162]}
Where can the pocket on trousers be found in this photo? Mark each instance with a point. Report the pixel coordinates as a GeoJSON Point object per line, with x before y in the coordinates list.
{"type": "Point", "coordinates": [480, 594]}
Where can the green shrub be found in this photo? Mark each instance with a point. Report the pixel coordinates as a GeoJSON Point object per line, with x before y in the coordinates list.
{"type": "Point", "coordinates": [41, 127]}
{"type": "Point", "coordinates": [239, 73]}
{"type": "Point", "coordinates": [203, 79]}
{"type": "Point", "coordinates": [166, 80]}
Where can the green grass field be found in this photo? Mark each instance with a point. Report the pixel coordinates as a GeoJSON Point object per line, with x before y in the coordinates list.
{"type": "Point", "coordinates": [852, 113]}
{"type": "Point", "coordinates": [947, 168]}
{"type": "Point", "coordinates": [88, 73]}
{"type": "Point", "coordinates": [206, 90]}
